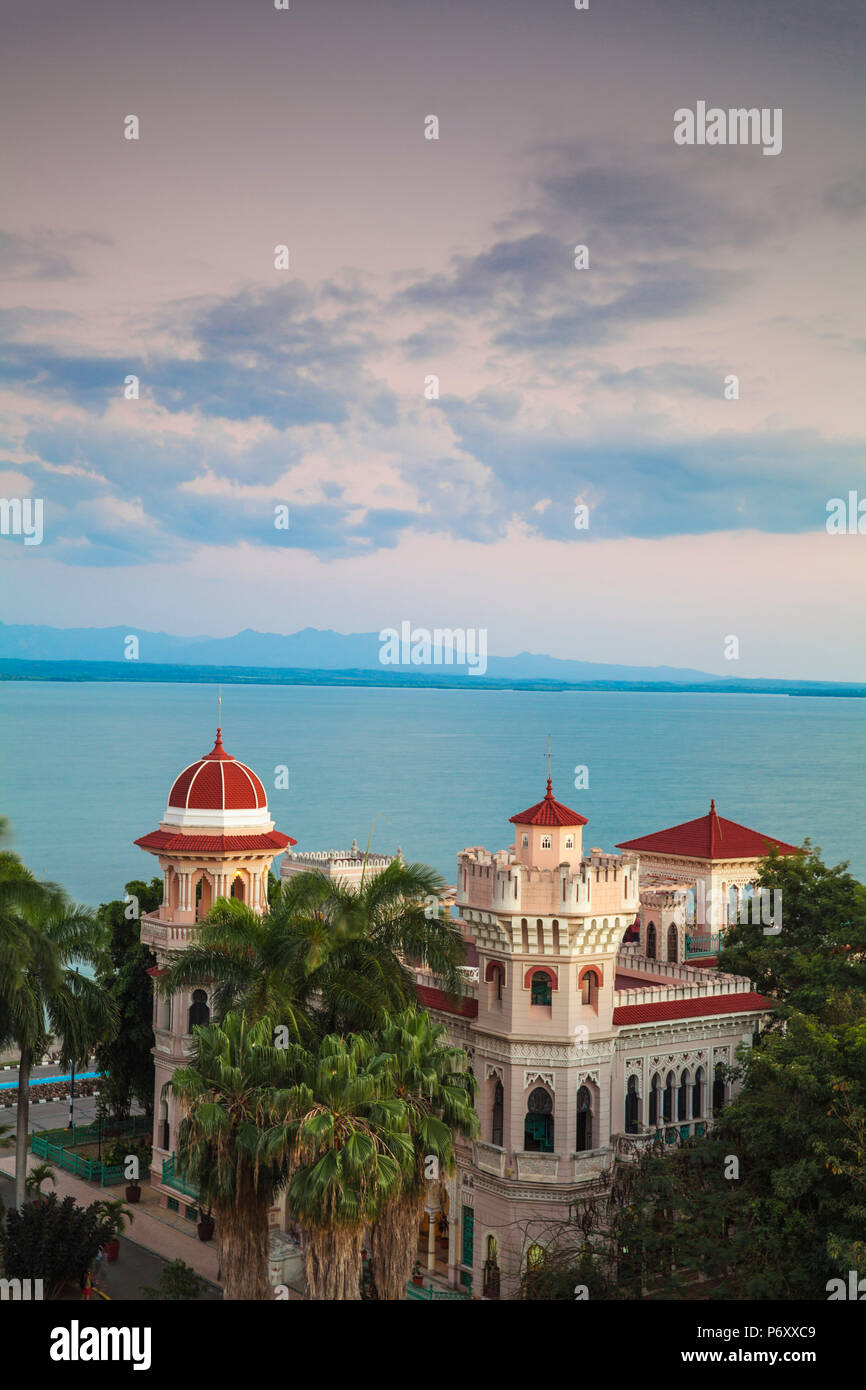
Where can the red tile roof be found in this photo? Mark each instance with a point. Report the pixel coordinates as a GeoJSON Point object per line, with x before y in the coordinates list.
{"type": "Point", "coordinates": [548, 812]}
{"type": "Point", "coordinates": [218, 782]}
{"type": "Point", "coordinates": [435, 999]}
{"type": "Point", "coordinates": [710, 837]}
{"type": "Point", "coordinates": [173, 842]}
{"type": "Point", "coordinates": [707, 1007]}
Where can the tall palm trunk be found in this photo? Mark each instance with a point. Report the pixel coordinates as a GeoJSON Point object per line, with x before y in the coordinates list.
{"type": "Point", "coordinates": [24, 1068]}
{"type": "Point", "coordinates": [394, 1244]}
{"type": "Point", "coordinates": [332, 1262]}
{"type": "Point", "coordinates": [243, 1242]}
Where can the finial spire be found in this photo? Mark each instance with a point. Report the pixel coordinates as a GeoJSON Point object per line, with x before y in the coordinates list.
{"type": "Point", "coordinates": [713, 806]}
{"type": "Point", "coordinates": [219, 710]}
{"type": "Point", "coordinates": [549, 779]}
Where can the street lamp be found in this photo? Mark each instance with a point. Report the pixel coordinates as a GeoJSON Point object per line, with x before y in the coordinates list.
{"type": "Point", "coordinates": [71, 1124]}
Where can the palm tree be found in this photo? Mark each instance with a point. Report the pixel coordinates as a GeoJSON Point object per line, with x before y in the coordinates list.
{"type": "Point", "coordinates": [358, 943]}
{"type": "Point", "coordinates": [39, 1173]}
{"type": "Point", "coordinates": [327, 957]}
{"type": "Point", "coordinates": [430, 1076]}
{"type": "Point", "coordinates": [224, 1092]}
{"type": "Point", "coordinates": [345, 1138]}
{"type": "Point", "coordinates": [43, 938]}
{"type": "Point", "coordinates": [245, 958]}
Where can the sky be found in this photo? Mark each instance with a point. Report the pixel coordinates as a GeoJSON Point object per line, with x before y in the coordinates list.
{"type": "Point", "coordinates": [409, 258]}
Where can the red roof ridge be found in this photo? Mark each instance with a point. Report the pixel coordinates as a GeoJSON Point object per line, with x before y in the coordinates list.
{"type": "Point", "coordinates": [548, 812]}
{"type": "Point", "coordinates": [710, 837]}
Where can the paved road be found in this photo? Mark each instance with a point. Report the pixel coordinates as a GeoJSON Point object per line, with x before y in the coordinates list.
{"type": "Point", "coordinates": [8, 1076]}
{"type": "Point", "coordinates": [134, 1266]}
{"type": "Point", "coordinates": [54, 1114]}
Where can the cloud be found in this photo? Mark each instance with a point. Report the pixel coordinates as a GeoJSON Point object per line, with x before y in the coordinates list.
{"type": "Point", "coordinates": [51, 256]}
{"type": "Point", "coordinates": [847, 199]}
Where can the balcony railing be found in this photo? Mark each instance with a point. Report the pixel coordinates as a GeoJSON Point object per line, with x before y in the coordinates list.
{"type": "Point", "coordinates": [703, 945]}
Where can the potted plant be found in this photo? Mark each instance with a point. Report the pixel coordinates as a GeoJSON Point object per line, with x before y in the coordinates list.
{"type": "Point", "coordinates": [114, 1218]}
{"type": "Point", "coordinates": [205, 1225]}
{"type": "Point", "coordinates": [417, 1276]}
{"type": "Point", "coordinates": [133, 1191]}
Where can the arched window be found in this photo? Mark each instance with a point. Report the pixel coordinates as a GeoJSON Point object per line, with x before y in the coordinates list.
{"type": "Point", "coordinates": [672, 942]}
{"type": "Point", "coordinates": [524, 936]}
{"type": "Point", "coordinates": [498, 1110]}
{"type": "Point", "coordinates": [540, 987]}
{"type": "Point", "coordinates": [589, 989]}
{"type": "Point", "coordinates": [655, 1089]}
{"type": "Point", "coordinates": [651, 940]}
{"type": "Point", "coordinates": [698, 1094]}
{"type": "Point", "coordinates": [534, 1257]}
{"type": "Point", "coordinates": [584, 1120]}
{"type": "Point", "coordinates": [199, 1013]}
{"type": "Point", "coordinates": [632, 1106]}
{"type": "Point", "coordinates": [683, 1096]}
{"type": "Point", "coordinates": [238, 889]}
{"type": "Point", "coordinates": [670, 1081]}
{"type": "Point", "coordinates": [496, 981]}
{"type": "Point", "coordinates": [165, 1132]}
{"type": "Point", "coordinates": [569, 842]}
{"type": "Point", "coordinates": [546, 842]}
{"type": "Point", "coordinates": [718, 1088]}
{"type": "Point", "coordinates": [538, 1124]}
{"type": "Point", "coordinates": [525, 841]}
{"type": "Point", "coordinates": [491, 1269]}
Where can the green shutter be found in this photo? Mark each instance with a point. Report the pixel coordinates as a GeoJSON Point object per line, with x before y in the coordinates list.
{"type": "Point", "coordinates": [468, 1237]}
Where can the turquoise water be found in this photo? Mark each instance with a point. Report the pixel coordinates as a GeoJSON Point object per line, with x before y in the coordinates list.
{"type": "Point", "coordinates": [87, 768]}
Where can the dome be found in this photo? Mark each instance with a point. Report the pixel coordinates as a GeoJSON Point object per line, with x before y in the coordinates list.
{"type": "Point", "coordinates": [218, 791]}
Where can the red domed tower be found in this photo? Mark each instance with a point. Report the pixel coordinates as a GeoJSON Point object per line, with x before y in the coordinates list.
{"type": "Point", "coordinates": [216, 840]}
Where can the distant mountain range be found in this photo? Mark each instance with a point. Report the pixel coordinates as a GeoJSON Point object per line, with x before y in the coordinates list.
{"type": "Point", "coordinates": [312, 648]}
{"type": "Point", "coordinates": [315, 656]}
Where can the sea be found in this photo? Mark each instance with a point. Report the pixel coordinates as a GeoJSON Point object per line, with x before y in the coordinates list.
{"type": "Point", "coordinates": [86, 768]}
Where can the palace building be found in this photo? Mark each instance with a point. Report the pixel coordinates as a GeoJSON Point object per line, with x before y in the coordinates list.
{"type": "Point", "coordinates": [591, 1019]}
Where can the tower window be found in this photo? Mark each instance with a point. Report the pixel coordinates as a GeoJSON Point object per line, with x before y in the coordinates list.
{"type": "Point", "coordinates": [199, 1013]}
{"type": "Point", "coordinates": [569, 842]}
{"type": "Point", "coordinates": [589, 988]}
{"type": "Point", "coordinates": [584, 1120]}
{"type": "Point", "coordinates": [540, 986]}
{"type": "Point", "coordinates": [538, 1125]}
{"type": "Point", "coordinates": [498, 1110]}
{"type": "Point", "coordinates": [525, 841]}
{"type": "Point", "coordinates": [546, 842]}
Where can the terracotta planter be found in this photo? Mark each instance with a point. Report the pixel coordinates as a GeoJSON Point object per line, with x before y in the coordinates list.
{"type": "Point", "coordinates": [205, 1230]}
{"type": "Point", "coordinates": [133, 1193]}
{"type": "Point", "coordinates": [111, 1249]}
{"type": "Point", "coordinates": [418, 1279]}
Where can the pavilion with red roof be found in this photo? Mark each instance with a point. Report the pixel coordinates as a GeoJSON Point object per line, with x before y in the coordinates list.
{"type": "Point", "coordinates": [701, 872]}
